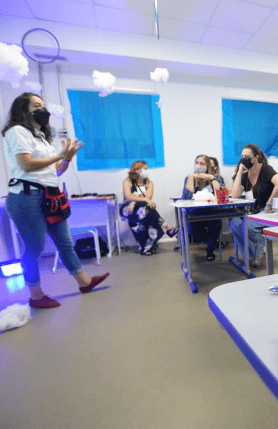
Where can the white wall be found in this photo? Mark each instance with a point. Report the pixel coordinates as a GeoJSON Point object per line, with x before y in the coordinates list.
{"type": "Point", "coordinates": [191, 122]}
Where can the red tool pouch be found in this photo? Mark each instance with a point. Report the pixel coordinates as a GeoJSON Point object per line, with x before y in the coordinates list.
{"type": "Point", "coordinates": [55, 205]}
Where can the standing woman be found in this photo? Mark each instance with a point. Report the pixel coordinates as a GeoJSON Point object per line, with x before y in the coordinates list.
{"type": "Point", "coordinates": [260, 181]}
{"type": "Point", "coordinates": [145, 223]}
{"type": "Point", "coordinates": [31, 157]}
{"type": "Point", "coordinates": [203, 178]}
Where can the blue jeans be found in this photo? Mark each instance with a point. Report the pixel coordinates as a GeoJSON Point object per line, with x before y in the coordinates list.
{"type": "Point", "coordinates": [26, 212]}
{"type": "Point", "coordinates": [254, 235]}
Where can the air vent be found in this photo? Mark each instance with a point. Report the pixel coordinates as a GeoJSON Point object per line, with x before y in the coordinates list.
{"type": "Point", "coordinates": [49, 57]}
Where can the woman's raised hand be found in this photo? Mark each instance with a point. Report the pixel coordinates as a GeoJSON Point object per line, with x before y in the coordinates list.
{"type": "Point", "coordinates": [70, 148]}
{"type": "Point", "coordinates": [242, 168]}
{"type": "Point", "coordinates": [206, 176]}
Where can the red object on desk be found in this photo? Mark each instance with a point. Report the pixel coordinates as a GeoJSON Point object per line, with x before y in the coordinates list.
{"type": "Point", "coordinates": [222, 196]}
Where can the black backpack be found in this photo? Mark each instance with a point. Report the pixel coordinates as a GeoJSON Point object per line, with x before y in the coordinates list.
{"type": "Point", "coordinates": [85, 247]}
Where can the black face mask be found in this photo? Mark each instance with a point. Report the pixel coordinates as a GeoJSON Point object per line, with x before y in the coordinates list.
{"type": "Point", "coordinates": [41, 116]}
{"type": "Point", "coordinates": [247, 163]}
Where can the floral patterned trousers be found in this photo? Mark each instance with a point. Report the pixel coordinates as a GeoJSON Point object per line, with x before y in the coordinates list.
{"type": "Point", "coordinates": [145, 224]}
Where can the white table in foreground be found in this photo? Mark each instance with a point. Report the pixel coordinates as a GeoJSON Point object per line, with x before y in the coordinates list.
{"type": "Point", "coordinates": [248, 311]}
{"type": "Point", "coordinates": [196, 211]}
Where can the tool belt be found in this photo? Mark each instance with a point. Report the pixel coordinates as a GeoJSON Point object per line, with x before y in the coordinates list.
{"type": "Point", "coordinates": [55, 205]}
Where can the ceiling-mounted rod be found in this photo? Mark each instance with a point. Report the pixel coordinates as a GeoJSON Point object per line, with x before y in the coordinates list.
{"type": "Point", "coordinates": [40, 70]}
{"type": "Point", "coordinates": [156, 19]}
{"type": "Point", "coordinates": [61, 93]}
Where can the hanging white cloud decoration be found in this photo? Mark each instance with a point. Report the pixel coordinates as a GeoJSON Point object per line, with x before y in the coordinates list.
{"type": "Point", "coordinates": [56, 110]}
{"type": "Point", "coordinates": [104, 82]}
{"type": "Point", "coordinates": [160, 75]}
{"type": "Point", "coordinates": [13, 66]}
{"type": "Point", "coordinates": [33, 86]}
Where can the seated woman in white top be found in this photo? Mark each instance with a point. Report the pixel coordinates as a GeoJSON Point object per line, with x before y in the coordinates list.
{"type": "Point", "coordinates": [146, 224]}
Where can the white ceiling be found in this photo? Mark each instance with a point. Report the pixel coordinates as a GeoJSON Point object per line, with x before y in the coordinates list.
{"type": "Point", "coordinates": [245, 27]}
{"type": "Point", "coordinates": [238, 24]}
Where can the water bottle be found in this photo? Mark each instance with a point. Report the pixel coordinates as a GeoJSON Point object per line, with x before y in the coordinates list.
{"type": "Point", "coordinates": [65, 190]}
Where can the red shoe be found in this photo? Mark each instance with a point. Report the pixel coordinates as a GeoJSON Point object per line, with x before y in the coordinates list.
{"type": "Point", "coordinates": [44, 302]}
{"type": "Point", "coordinates": [95, 281]}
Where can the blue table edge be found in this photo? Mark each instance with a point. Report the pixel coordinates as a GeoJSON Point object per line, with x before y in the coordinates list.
{"type": "Point", "coordinates": [226, 205]}
{"type": "Point", "coordinates": [258, 365]}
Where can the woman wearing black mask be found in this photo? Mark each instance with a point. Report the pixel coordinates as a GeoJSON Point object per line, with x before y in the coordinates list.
{"type": "Point", "coordinates": [31, 157]}
{"type": "Point", "coordinates": [259, 181]}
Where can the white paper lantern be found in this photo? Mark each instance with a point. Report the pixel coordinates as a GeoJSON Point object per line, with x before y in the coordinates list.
{"type": "Point", "coordinates": [104, 82]}
{"type": "Point", "coordinates": [160, 75]}
{"type": "Point", "coordinates": [13, 66]}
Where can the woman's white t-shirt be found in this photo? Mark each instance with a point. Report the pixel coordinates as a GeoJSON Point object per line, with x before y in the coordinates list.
{"type": "Point", "coordinates": [20, 140]}
{"type": "Point", "coordinates": [140, 191]}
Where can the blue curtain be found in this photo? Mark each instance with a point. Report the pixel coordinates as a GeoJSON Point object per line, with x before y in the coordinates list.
{"type": "Point", "coordinates": [246, 122]}
{"type": "Point", "coordinates": [116, 130]}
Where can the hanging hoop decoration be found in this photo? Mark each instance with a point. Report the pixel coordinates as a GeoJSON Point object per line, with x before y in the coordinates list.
{"type": "Point", "coordinates": [40, 54]}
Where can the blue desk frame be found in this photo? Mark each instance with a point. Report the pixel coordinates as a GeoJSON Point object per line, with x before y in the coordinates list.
{"type": "Point", "coordinates": [194, 211]}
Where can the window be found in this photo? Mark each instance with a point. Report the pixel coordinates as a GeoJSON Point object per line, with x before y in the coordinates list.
{"type": "Point", "coordinates": [116, 130]}
{"type": "Point", "coordinates": [246, 122]}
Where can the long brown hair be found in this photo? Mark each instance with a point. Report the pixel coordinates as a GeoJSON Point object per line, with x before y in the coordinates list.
{"type": "Point", "coordinates": [20, 115]}
{"type": "Point", "coordinates": [216, 164]}
{"type": "Point", "coordinates": [136, 165]}
{"type": "Point", "coordinates": [257, 151]}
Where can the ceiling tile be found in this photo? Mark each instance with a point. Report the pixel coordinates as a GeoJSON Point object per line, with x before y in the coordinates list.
{"type": "Point", "coordinates": [271, 3]}
{"type": "Point", "coordinates": [263, 44]}
{"type": "Point", "coordinates": [123, 21]}
{"type": "Point", "coordinates": [15, 8]}
{"type": "Point", "coordinates": [270, 28]}
{"type": "Point", "coordinates": [239, 16]}
{"type": "Point", "coordinates": [198, 11]}
{"type": "Point", "coordinates": [63, 11]}
{"type": "Point", "coordinates": [180, 30]}
{"type": "Point", "coordinates": [226, 38]}
{"type": "Point", "coordinates": [143, 6]}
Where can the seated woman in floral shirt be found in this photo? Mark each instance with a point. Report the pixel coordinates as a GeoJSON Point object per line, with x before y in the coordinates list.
{"type": "Point", "coordinates": [145, 223]}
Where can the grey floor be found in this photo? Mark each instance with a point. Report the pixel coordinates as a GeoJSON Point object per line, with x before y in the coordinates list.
{"type": "Point", "coordinates": [139, 352]}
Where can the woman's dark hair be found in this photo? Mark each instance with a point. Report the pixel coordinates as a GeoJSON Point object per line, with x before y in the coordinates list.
{"type": "Point", "coordinates": [257, 151]}
{"type": "Point", "coordinates": [20, 115]}
{"type": "Point", "coordinates": [206, 158]}
{"type": "Point", "coordinates": [237, 168]}
{"type": "Point", "coordinates": [216, 164]}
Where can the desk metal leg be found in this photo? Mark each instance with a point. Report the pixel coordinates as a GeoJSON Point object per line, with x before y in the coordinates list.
{"type": "Point", "coordinates": [244, 268]}
{"type": "Point", "coordinates": [109, 242]}
{"type": "Point", "coordinates": [118, 236]}
{"type": "Point", "coordinates": [269, 256]}
{"type": "Point", "coordinates": [188, 271]}
{"type": "Point", "coordinates": [178, 246]}
{"type": "Point", "coordinates": [181, 235]}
